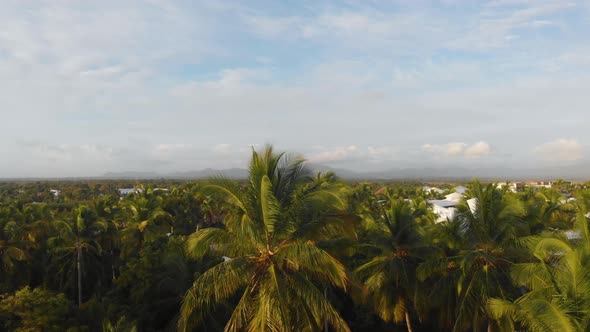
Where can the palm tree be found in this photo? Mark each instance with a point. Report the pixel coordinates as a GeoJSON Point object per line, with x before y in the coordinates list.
{"type": "Point", "coordinates": [549, 209]}
{"type": "Point", "coordinates": [121, 325]}
{"type": "Point", "coordinates": [477, 251]}
{"type": "Point", "coordinates": [557, 281]}
{"type": "Point", "coordinates": [144, 218]}
{"type": "Point", "coordinates": [390, 275]}
{"type": "Point", "coordinates": [9, 253]}
{"type": "Point", "coordinates": [272, 243]}
{"type": "Point", "coordinates": [78, 235]}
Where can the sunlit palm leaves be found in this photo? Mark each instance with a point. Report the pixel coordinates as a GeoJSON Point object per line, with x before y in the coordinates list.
{"type": "Point", "coordinates": [558, 284]}
{"type": "Point", "coordinates": [272, 235]}
{"type": "Point", "coordinates": [390, 276]}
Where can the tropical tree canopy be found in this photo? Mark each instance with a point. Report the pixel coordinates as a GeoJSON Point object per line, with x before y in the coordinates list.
{"type": "Point", "coordinates": [289, 249]}
{"type": "Point", "coordinates": [272, 238]}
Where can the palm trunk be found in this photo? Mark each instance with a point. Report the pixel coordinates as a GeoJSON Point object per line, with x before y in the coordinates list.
{"type": "Point", "coordinates": [326, 320]}
{"type": "Point", "coordinates": [78, 265]}
{"type": "Point", "coordinates": [489, 326]}
{"type": "Point", "coordinates": [113, 265]}
{"type": "Point", "coordinates": [408, 321]}
{"type": "Point", "coordinates": [140, 243]}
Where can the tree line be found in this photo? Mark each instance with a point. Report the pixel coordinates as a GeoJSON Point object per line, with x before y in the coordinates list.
{"type": "Point", "coordinates": [290, 250]}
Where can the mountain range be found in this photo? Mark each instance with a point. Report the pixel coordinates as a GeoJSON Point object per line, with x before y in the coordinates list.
{"type": "Point", "coordinates": [572, 172]}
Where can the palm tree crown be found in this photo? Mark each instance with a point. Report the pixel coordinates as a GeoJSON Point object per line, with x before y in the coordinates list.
{"type": "Point", "coordinates": [272, 240]}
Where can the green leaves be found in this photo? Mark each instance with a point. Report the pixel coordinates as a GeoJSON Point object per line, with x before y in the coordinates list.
{"type": "Point", "coordinates": [34, 310]}
{"type": "Point", "coordinates": [269, 206]}
{"type": "Point", "coordinates": [271, 233]}
{"type": "Point", "coordinates": [536, 313]}
{"type": "Point", "coordinates": [215, 285]}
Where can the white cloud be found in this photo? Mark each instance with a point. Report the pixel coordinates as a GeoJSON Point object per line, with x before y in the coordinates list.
{"type": "Point", "coordinates": [164, 147]}
{"type": "Point", "coordinates": [477, 150]}
{"type": "Point", "coordinates": [230, 80]}
{"type": "Point", "coordinates": [496, 26]}
{"type": "Point", "coordinates": [562, 149]}
{"type": "Point", "coordinates": [339, 153]}
{"type": "Point", "coordinates": [458, 149]}
{"type": "Point", "coordinates": [272, 27]}
{"type": "Point", "coordinates": [449, 149]}
{"type": "Point", "coordinates": [161, 84]}
{"type": "Point", "coordinates": [223, 149]}
{"type": "Point", "coordinates": [68, 152]}
{"type": "Point", "coordinates": [374, 154]}
{"type": "Point", "coordinates": [383, 153]}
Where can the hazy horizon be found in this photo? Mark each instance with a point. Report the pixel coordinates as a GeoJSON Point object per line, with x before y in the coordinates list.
{"type": "Point", "coordinates": [574, 172]}
{"type": "Point", "coordinates": [169, 86]}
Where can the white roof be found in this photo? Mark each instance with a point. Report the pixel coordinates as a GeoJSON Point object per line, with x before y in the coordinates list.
{"type": "Point", "coordinates": [126, 191]}
{"type": "Point", "coordinates": [461, 189]}
{"type": "Point", "coordinates": [472, 203]}
{"type": "Point", "coordinates": [443, 202]}
{"type": "Point", "coordinates": [435, 189]}
{"type": "Point", "coordinates": [443, 213]}
{"type": "Point", "coordinates": [456, 197]}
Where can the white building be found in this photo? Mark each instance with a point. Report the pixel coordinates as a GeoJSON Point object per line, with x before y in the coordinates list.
{"type": "Point", "coordinates": [454, 197]}
{"type": "Point", "coordinates": [512, 186]}
{"type": "Point", "coordinates": [434, 190]}
{"type": "Point", "coordinates": [127, 191]}
{"type": "Point", "coordinates": [443, 213]}
{"type": "Point", "coordinates": [461, 189]}
{"type": "Point", "coordinates": [472, 203]}
{"type": "Point", "coordinates": [446, 209]}
{"type": "Point", "coordinates": [55, 192]}
{"type": "Point", "coordinates": [539, 184]}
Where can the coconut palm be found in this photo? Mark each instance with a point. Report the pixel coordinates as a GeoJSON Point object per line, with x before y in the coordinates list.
{"type": "Point", "coordinates": [549, 209]}
{"type": "Point", "coordinates": [77, 236]}
{"type": "Point", "coordinates": [272, 243]}
{"type": "Point", "coordinates": [9, 253]}
{"type": "Point", "coordinates": [106, 211]}
{"type": "Point", "coordinates": [144, 218]}
{"type": "Point", "coordinates": [476, 255]}
{"type": "Point", "coordinates": [390, 275]}
{"type": "Point", "coordinates": [558, 284]}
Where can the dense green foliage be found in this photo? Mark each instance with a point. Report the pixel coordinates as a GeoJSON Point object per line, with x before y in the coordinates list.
{"type": "Point", "coordinates": [288, 250]}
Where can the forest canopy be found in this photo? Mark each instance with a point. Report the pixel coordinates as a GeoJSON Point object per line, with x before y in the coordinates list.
{"type": "Point", "coordinates": [287, 249]}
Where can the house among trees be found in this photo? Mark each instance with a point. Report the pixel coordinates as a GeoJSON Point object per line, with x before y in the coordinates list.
{"type": "Point", "coordinates": [124, 192]}
{"type": "Point", "coordinates": [460, 189]}
{"type": "Point", "coordinates": [445, 209]}
{"type": "Point", "coordinates": [512, 186]}
{"type": "Point", "coordinates": [539, 184]}
{"type": "Point", "coordinates": [432, 190]}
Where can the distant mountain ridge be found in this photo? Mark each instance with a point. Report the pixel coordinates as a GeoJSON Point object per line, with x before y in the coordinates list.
{"type": "Point", "coordinates": [573, 172]}
{"type": "Point", "coordinates": [232, 173]}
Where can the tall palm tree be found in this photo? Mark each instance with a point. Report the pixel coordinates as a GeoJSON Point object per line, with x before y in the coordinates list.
{"type": "Point", "coordinates": [10, 251]}
{"type": "Point", "coordinates": [390, 275]}
{"type": "Point", "coordinates": [107, 209]}
{"type": "Point", "coordinates": [476, 255]}
{"type": "Point", "coordinates": [272, 239]}
{"type": "Point", "coordinates": [76, 236]}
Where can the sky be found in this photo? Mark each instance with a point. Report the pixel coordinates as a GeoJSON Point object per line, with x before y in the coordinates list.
{"type": "Point", "coordinates": [89, 87]}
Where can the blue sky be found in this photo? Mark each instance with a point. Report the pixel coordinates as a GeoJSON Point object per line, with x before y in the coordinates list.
{"type": "Point", "coordinates": [95, 86]}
